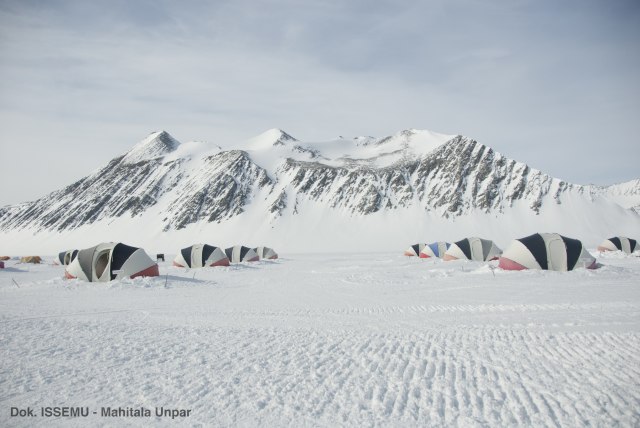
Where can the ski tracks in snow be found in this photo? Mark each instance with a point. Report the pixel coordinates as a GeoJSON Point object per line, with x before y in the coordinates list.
{"type": "Point", "coordinates": [488, 376]}
{"type": "Point", "coordinates": [330, 342]}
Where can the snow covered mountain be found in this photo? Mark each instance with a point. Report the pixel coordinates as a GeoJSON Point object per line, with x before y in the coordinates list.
{"type": "Point", "coordinates": [344, 194]}
{"type": "Point", "coordinates": [626, 194]}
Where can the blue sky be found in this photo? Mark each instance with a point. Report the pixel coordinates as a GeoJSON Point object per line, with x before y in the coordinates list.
{"type": "Point", "coordinates": [554, 84]}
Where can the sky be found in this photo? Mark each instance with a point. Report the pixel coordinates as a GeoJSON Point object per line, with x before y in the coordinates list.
{"type": "Point", "coordinates": [555, 84]}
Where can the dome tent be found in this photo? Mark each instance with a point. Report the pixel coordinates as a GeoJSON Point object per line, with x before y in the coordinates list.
{"type": "Point", "coordinates": [546, 251]}
{"type": "Point", "coordinates": [66, 257]}
{"type": "Point", "coordinates": [201, 255]}
{"type": "Point", "coordinates": [240, 253]}
{"type": "Point", "coordinates": [476, 249]}
{"type": "Point", "coordinates": [619, 243]}
{"type": "Point", "coordinates": [414, 250]}
{"type": "Point", "coordinates": [111, 260]}
{"type": "Point", "coordinates": [266, 253]}
{"type": "Point", "coordinates": [435, 249]}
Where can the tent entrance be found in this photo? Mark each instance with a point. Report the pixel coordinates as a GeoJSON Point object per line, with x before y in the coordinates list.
{"type": "Point", "coordinates": [102, 262]}
{"type": "Point", "coordinates": [476, 250]}
{"type": "Point", "coordinates": [557, 254]}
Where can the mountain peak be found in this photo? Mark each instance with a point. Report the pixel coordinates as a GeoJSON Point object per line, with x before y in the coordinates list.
{"type": "Point", "coordinates": [271, 137]}
{"type": "Point", "coordinates": [157, 144]}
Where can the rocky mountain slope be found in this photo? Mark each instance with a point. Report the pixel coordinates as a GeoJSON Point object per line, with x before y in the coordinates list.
{"type": "Point", "coordinates": [274, 181]}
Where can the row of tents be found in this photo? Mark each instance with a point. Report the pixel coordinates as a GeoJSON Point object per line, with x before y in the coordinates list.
{"type": "Point", "coordinates": [115, 260]}
{"type": "Point", "coordinates": [546, 251]}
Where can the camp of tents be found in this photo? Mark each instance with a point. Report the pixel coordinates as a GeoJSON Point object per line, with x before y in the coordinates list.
{"type": "Point", "coordinates": [466, 249]}
{"type": "Point", "coordinates": [115, 260]}
{"type": "Point", "coordinates": [203, 255]}
{"type": "Point", "coordinates": [544, 251]}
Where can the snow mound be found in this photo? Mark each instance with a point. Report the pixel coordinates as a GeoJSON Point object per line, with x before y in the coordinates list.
{"type": "Point", "coordinates": [270, 138]}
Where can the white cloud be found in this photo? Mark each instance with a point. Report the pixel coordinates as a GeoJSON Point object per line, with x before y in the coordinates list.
{"type": "Point", "coordinates": [544, 83]}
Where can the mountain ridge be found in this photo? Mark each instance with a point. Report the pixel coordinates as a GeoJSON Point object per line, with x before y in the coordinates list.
{"type": "Point", "coordinates": [275, 180]}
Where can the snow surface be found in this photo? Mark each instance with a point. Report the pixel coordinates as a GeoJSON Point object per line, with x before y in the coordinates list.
{"type": "Point", "coordinates": [342, 152]}
{"type": "Point", "coordinates": [328, 340]}
{"type": "Point", "coordinates": [325, 229]}
{"type": "Point", "coordinates": [625, 194]}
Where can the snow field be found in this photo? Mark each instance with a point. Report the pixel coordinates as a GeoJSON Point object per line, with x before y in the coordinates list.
{"type": "Point", "coordinates": [328, 340]}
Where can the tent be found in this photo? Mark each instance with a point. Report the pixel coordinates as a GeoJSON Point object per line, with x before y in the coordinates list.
{"type": "Point", "coordinates": [266, 253]}
{"type": "Point", "coordinates": [547, 251]}
{"type": "Point", "coordinates": [414, 250]}
{"type": "Point", "coordinates": [31, 259]}
{"type": "Point", "coordinates": [201, 255]}
{"type": "Point", "coordinates": [240, 253]}
{"type": "Point", "coordinates": [111, 260]}
{"type": "Point", "coordinates": [435, 249]}
{"type": "Point", "coordinates": [619, 243]}
{"type": "Point", "coordinates": [477, 249]}
{"type": "Point", "coordinates": [66, 257]}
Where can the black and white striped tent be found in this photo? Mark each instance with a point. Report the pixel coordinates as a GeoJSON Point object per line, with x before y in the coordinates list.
{"type": "Point", "coordinates": [414, 250]}
{"type": "Point", "coordinates": [66, 257]}
{"type": "Point", "coordinates": [477, 249]}
{"type": "Point", "coordinates": [546, 251]}
{"type": "Point", "coordinates": [619, 243]}
{"type": "Point", "coordinates": [201, 255]}
{"type": "Point", "coordinates": [435, 249]}
{"type": "Point", "coordinates": [266, 253]}
{"type": "Point", "coordinates": [109, 261]}
{"type": "Point", "coordinates": [240, 253]}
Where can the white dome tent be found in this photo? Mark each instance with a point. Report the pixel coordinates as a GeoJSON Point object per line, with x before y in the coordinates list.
{"type": "Point", "coordinates": [240, 253]}
{"type": "Point", "coordinates": [109, 261]}
{"type": "Point", "coordinates": [619, 243]}
{"type": "Point", "coordinates": [546, 251]}
{"type": "Point", "coordinates": [266, 253]}
{"type": "Point", "coordinates": [476, 249]}
{"type": "Point", "coordinates": [66, 257]}
{"type": "Point", "coordinates": [435, 249]}
{"type": "Point", "coordinates": [414, 250]}
{"type": "Point", "coordinates": [201, 255]}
